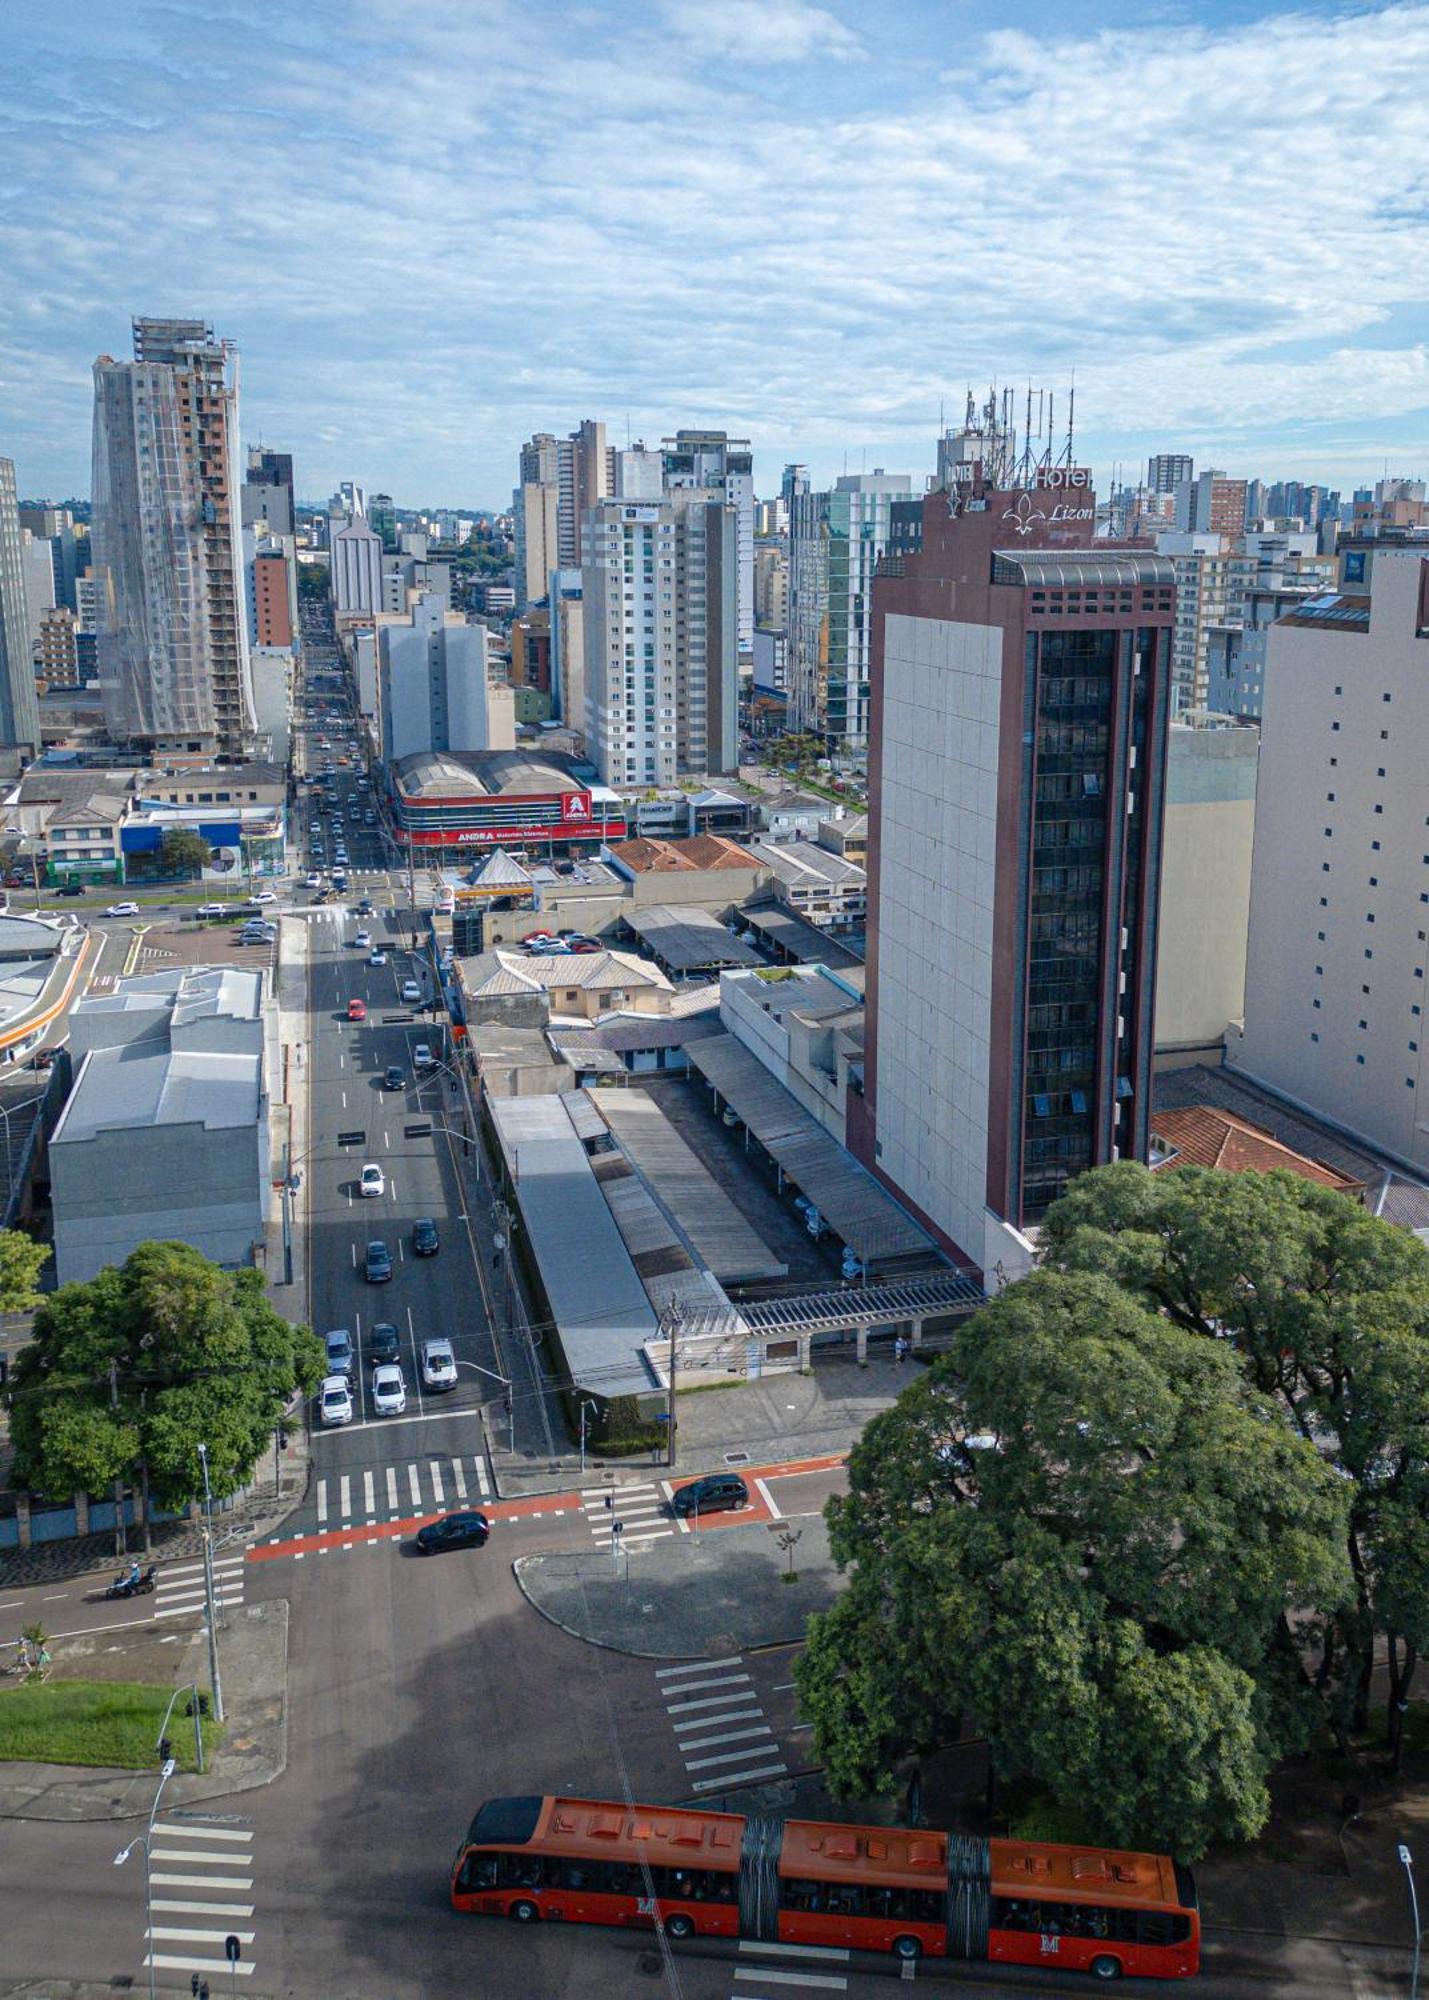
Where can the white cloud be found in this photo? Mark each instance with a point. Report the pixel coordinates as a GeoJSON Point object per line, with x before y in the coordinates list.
{"type": "Point", "coordinates": [760, 31]}
{"type": "Point", "coordinates": [432, 236]}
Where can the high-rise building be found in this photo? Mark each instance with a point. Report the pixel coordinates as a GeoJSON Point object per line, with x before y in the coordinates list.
{"type": "Point", "coordinates": [536, 516]}
{"type": "Point", "coordinates": [568, 648]}
{"type": "Point", "coordinates": [1167, 470]}
{"type": "Point", "coordinates": [1212, 577]}
{"type": "Point", "coordinates": [771, 586]}
{"type": "Point", "coordinates": [639, 473]}
{"type": "Point", "coordinates": [173, 637]}
{"type": "Point", "coordinates": [382, 519]}
{"type": "Point", "coordinates": [267, 498]}
{"type": "Point", "coordinates": [835, 541]}
{"type": "Point", "coordinates": [559, 480]}
{"type": "Point", "coordinates": [350, 498]}
{"type": "Point", "coordinates": [59, 648]}
{"type": "Point", "coordinates": [715, 463]}
{"type": "Point", "coordinates": [661, 661]}
{"type": "Point", "coordinates": [1337, 962]}
{"type": "Point", "coordinates": [356, 568]}
{"type": "Point", "coordinates": [19, 702]}
{"type": "Point", "coordinates": [434, 688]}
{"type": "Point", "coordinates": [37, 557]}
{"type": "Point", "coordinates": [1020, 678]}
{"type": "Point", "coordinates": [1211, 504]}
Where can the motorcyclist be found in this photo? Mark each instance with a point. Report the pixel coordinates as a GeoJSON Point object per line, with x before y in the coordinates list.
{"type": "Point", "coordinates": [132, 1580]}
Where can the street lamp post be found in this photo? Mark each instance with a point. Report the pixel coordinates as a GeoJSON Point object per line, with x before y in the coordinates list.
{"type": "Point", "coordinates": [210, 1599]}
{"type": "Point", "coordinates": [1406, 1862]}
{"type": "Point", "coordinates": [146, 1841]}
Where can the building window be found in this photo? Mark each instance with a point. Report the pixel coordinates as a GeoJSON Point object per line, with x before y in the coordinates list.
{"type": "Point", "coordinates": [1313, 1036]}
{"type": "Point", "coordinates": [1374, 881]}
{"type": "Point", "coordinates": [1360, 1061]}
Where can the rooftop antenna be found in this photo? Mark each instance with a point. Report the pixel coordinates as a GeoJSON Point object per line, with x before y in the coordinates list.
{"type": "Point", "coordinates": [1071, 416]}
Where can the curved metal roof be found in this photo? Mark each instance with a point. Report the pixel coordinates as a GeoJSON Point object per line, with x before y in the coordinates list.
{"type": "Point", "coordinates": [1054, 569]}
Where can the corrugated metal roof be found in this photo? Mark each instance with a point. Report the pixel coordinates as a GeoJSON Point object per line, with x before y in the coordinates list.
{"type": "Point", "coordinates": [139, 1085]}
{"type": "Point", "coordinates": [803, 941]}
{"type": "Point", "coordinates": [855, 1207]}
{"type": "Point", "coordinates": [686, 938]}
{"type": "Point", "coordinates": [1080, 569]}
{"type": "Point", "coordinates": [602, 1314]}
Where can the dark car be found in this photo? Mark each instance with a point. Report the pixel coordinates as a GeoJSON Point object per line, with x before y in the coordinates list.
{"type": "Point", "coordinates": [70, 889]}
{"type": "Point", "coordinates": [385, 1344]}
{"type": "Point", "coordinates": [378, 1268]}
{"type": "Point", "coordinates": [364, 908]}
{"type": "Point", "coordinates": [716, 1493]}
{"type": "Point", "coordinates": [425, 1241]}
{"type": "Point", "coordinates": [453, 1531]}
{"type": "Point", "coordinates": [394, 1078]}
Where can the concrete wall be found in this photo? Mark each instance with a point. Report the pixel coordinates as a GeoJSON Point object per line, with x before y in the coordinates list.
{"type": "Point", "coordinates": [1205, 890]}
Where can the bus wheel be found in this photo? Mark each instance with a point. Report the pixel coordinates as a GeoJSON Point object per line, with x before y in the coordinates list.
{"type": "Point", "coordinates": [1106, 1968]}
{"type": "Point", "coordinates": [524, 1912]}
{"type": "Point", "coordinates": [679, 1925]}
{"type": "Point", "coordinates": [907, 1947]}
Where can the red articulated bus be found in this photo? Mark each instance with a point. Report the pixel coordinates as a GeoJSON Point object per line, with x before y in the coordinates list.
{"type": "Point", "coordinates": [869, 1888]}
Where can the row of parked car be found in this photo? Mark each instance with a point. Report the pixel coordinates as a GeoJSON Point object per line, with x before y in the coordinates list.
{"type": "Point", "coordinates": [556, 944]}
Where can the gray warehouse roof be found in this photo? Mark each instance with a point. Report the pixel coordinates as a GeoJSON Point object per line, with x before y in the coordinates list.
{"type": "Point", "coordinates": [686, 938]}
{"type": "Point", "coordinates": [803, 941]}
{"type": "Point", "coordinates": [140, 1085]}
{"type": "Point", "coordinates": [602, 1314]}
{"type": "Point", "coordinates": [851, 1201]}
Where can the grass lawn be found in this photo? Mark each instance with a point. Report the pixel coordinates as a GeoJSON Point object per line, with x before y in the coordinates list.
{"type": "Point", "coordinates": [96, 1722]}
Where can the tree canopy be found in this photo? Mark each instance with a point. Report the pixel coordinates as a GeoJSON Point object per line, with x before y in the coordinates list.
{"type": "Point", "coordinates": [21, 1261]}
{"type": "Point", "coordinates": [130, 1371]}
{"type": "Point", "coordinates": [1328, 1308]}
{"type": "Point", "coordinates": [1101, 1584]}
{"type": "Point", "coordinates": [183, 851]}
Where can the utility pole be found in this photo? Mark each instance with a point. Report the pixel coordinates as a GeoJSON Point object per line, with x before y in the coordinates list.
{"type": "Point", "coordinates": [673, 1321]}
{"type": "Point", "coordinates": [210, 1598]}
{"type": "Point", "coordinates": [121, 1540]}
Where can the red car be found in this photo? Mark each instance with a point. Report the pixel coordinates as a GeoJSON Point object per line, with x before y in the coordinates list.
{"type": "Point", "coordinates": [357, 1010]}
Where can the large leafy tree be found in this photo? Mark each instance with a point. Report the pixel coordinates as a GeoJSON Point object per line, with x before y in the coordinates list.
{"type": "Point", "coordinates": [21, 1261]}
{"type": "Point", "coordinates": [1328, 1306]}
{"type": "Point", "coordinates": [129, 1372]}
{"type": "Point", "coordinates": [1101, 1584]}
{"type": "Point", "coordinates": [184, 852]}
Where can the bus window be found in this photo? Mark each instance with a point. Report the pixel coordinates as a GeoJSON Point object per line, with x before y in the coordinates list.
{"type": "Point", "coordinates": [478, 1871]}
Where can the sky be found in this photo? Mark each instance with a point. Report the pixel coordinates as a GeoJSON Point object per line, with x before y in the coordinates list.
{"type": "Point", "coordinates": [433, 231]}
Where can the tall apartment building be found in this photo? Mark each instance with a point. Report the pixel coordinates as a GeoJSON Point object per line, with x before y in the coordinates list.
{"type": "Point", "coordinates": [715, 463]}
{"type": "Point", "coordinates": [836, 539]}
{"type": "Point", "coordinates": [382, 519]}
{"type": "Point", "coordinates": [1020, 705]}
{"type": "Point", "coordinates": [267, 499]}
{"type": "Point", "coordinates": [536, 522]}
{"type": "Point", "coordinates": [58, 665]}
{"type": "Point", "coordinates": [1211, 504]}
{"type": "Point", "coordinates": [568, 648]}
{"type": "Point", "coordinates": [19, 701]}
{"type": "Point", "coordinates": [560, 479]}
{"type": "Point", "coordinates": [173, 638]}
{"type": "Point", "coordinates": [356, 569]}
{"type": "Point", "coordinates": [660, 657]}
{"type": "Point", "coordinates": [37, 558]}
{"type": "Point", "coordinates": [434, 687]}
{"type": "Point", "coordinates": [1338, 961]}
{"type": "Point", "coordinates": [771, 586]}
{"type": "Point", "coordinates": [1166, 470]}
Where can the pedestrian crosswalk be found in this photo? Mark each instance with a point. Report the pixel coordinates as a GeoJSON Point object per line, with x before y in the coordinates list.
{"type": "Point", "coordinates": [434, 1484]}
{"type": "Point", "coordinates": [642, 1510]}
{"type": "Point", "coordinates": [178, 1591]}
{"type": "Point", "coordinates": [815, 1967]}
{"type": "Point", "coordinates": [201, 1890]}
{"type": "Point", "coordinates": [721, 1730]}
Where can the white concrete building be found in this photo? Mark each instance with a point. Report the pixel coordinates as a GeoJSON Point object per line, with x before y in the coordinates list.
{"type": "Point", "coordinates": [356, 567]}
{"type": "Point", "coordinates": [1339, 905]}
{"type": "Point", "coordinates": [434, 687]}
{"type": "Point", "coordinates": [1205, 890]}
{"type": "Point", "coordinates": [712, 462]}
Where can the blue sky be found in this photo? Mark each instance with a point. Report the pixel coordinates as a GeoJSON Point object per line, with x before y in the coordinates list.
{"type": "Point", "coordinates": [434, 230]}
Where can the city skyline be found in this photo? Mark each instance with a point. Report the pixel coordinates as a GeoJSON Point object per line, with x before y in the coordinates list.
{"type": "Point", "coordinates": [426, 256]}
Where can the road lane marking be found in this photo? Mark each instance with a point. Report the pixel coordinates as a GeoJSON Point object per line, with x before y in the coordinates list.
{"type": "Point", "coordinates": [346, 1500]}
{"type": "Point", "coordinates": [717, 1721]}
{"type": "Point", "coordinates": [718, 1681]}
{"type": "Point", "coordinates": [392, 1489]}
{"type": "Point", "coordinates": [176, 1908]}
{"type": "Point", "coordinates": [482, 1486]}
{"type": "Point", "coordinates": [795, 1950]}
{"type": "Point", "coordinates": [414, 1485]}
{"type": "Point", "coordinates": [709, 1763]}
{"type": "Point", "coordinates": [218, 1966]}
{"type": "Point", "coordinates": [195, 1937]}
{"type": "Point", "coordinates": [696, 1666]}
{"type": "Point", "coordinates": [369, 1496]}
{"type": "Point", "coordinates": [438, 1491]}
{"type": "Point", "coordinates": [460, 1479]}
{"type": "Point", "coordinates": [322, 1503]}
{"type": "Point", "coordinates": [706, 1701]}
{"type": "Point", "coordinates": [768, 1499]}
{"type": "Point", "coordinates": [745, 1778]}
{"type": "Point", "coordinates": [203, 1830]}
{"type": "Point", "coordinates": [714, 1742]}
{"type": "Point", "coordinates": [203, 1881]}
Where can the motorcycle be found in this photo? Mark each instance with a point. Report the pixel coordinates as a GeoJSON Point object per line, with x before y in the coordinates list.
{"type": "Point", "coordinates": [133, 1586]}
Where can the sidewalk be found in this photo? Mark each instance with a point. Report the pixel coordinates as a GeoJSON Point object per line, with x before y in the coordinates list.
{"type": "Point", "coordinates": [254, 1751]}
{"type": "Point", "coordinates": [688, 1597]}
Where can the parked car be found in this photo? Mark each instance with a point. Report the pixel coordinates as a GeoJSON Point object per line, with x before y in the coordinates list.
{"type": "Point", "coordinates": [335, 1401]}
{"type": "Point", "coordinates": [394, 1078]}
{"type": "Point", "coordinates": [122, 910]}
{"type": "Point", "coordinates": [384, 1343]}
{"type": "Point", "coordinates": [378, 1266]}
{"type": "Point", "coordinates": [373, 1181]}
{"type": "Point", "coordinates": [357, 1010]}
{"type": "Point", "coordinates": [453, 1531]}
{"type": "Point", "coordinates": [389, 1391]}
{"type": "Point", "coordinates": [716, 1493]}
{"type": "Point", "coordinates": [338, 1345]}
{"type": "Point", "coordinates": [425, 1241]}
{"type": "Point", "coordinates": [438, 1365]}
{"type": "Point", "coordinates": [411, 991]}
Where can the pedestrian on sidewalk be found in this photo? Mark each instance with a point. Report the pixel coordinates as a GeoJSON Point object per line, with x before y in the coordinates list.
{"type": "Point", "coordinates": [900, 1349]}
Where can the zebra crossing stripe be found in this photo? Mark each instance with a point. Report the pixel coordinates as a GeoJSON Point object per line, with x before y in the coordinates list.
{"type": "Point", "coordinates": [460, 1478]}
{"type": "Point", "coordinates": [369, 1496]}
{"type": "Point", "coordinates": [391, 1489]}
{"type": "Point", "coordinates": [414, 1485]}
{"type": "Point", "coordinates": [438, 1490]}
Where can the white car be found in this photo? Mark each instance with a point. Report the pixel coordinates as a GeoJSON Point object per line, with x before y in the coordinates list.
{"type": "Point", "coordinates": [335, 1400]}
{"type": "Point", "coordinates": [363, 940]}
{"type": "Point", "coordinates": [211, 909]}
{"type": "Point", "coordinates": [377, 956]}
{"type": "Point", "coordinates": [438, 1365]}
{"type": "Point", "coordinates": [411, 991]}
{"type": "Point", "coordinates": [389, 1391]}
{"type": "Point", "coordinates": [422, 1057]}
{"type": "Point", "coordinates": [122, 910]}
{"type": "Point", "coordinates": [315, 881]}
{"type": "Point", "coordinates": [260, 897]}
{"type": "Point", "coordinates": [373, 1181]}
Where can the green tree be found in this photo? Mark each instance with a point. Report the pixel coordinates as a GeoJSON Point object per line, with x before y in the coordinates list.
{"type": "Point", "coordinates": [184, 852]}
{"type": "Point", "coordinates": [128, 1372]}
{"type": "Point", "coordinates": [313, 580]}
{"type": "Point", "coordinates": [1329, 1307]}
{"type": "Point", "coordinates": [21, 1262]}
{"type": "Point", "coordinates": [1103, 1592]}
